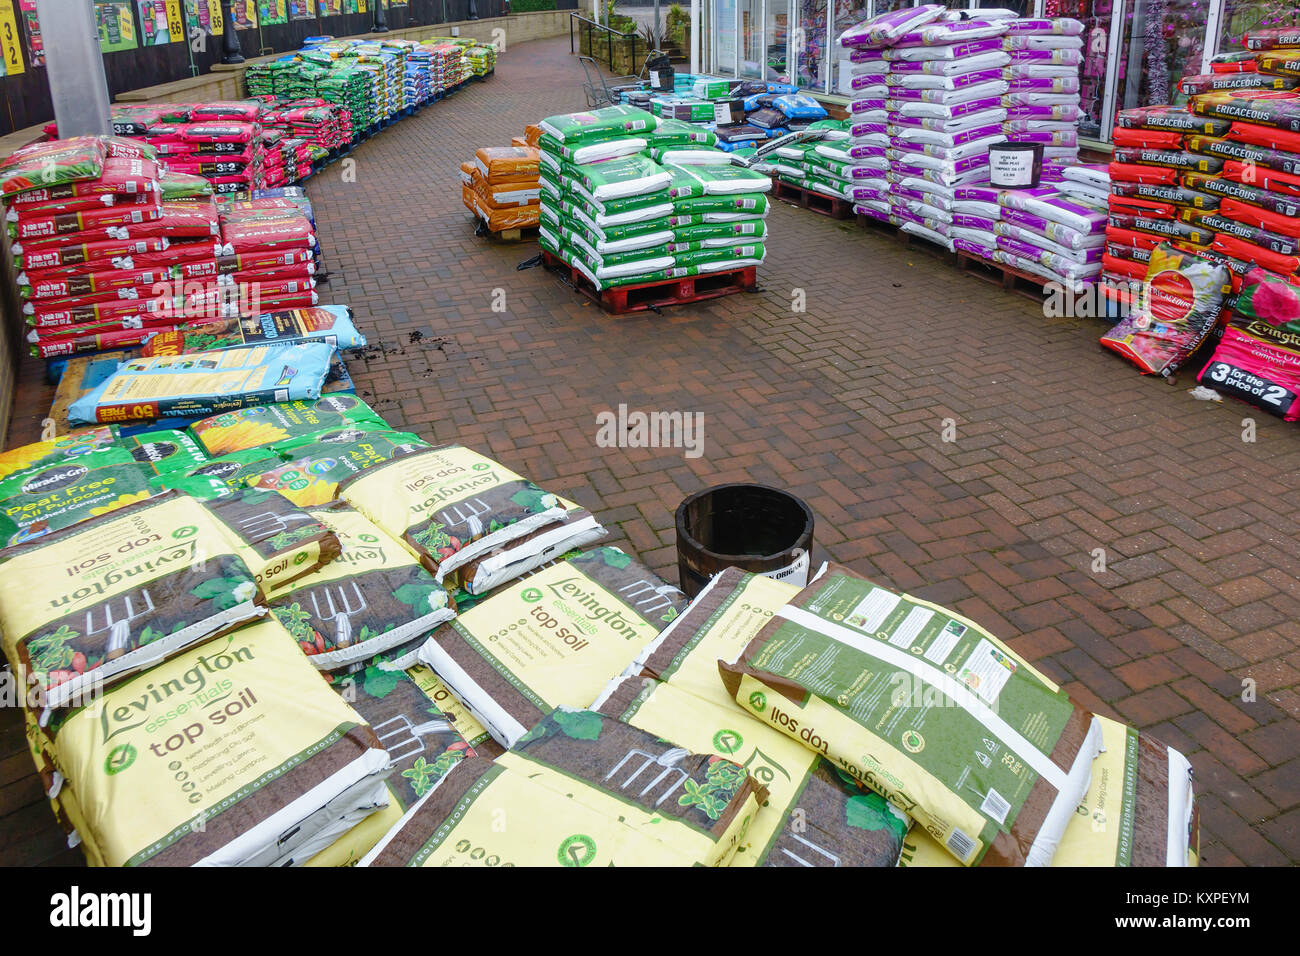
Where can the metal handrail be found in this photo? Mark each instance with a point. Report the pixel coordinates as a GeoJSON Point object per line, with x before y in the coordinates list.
{"type": "Point", "coordinates": [610, 35]}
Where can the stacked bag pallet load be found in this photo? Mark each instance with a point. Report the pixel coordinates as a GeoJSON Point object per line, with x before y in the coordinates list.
{"type": "Point", "coordinates": [106, 246]}
{"type": "Point", "coordinates": [1058, 236]}
{"type": "Point", "coordinates": [270, 251]}
{"type": "Point", "coordinates": [449, 54]}
{"type": "Point", "coordinates": [1206, 200]}
{"type": "Point", "coordinates": [1043, 96]}
{"type": "Point", "coordinates": [928, 103]}
{"type": "Point", "coordinates": [820, 158]}
{"type": "Point", "coordinates": [501, 187]}
{"type": "Point", "coordinates": [624, 206]}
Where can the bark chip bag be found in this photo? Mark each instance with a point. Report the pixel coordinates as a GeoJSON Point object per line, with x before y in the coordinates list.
{"type": "Point", "coordinates": [280, 764]}
{"type": "Point", "coordinates": [84, 607]}
{"type": "Point", "coordinates": [471, 521]}
{"type": "Point", "coordinates": [554, 639]}
{"type": "Point", "coordinates": [913, 701]}
{"type": "Point", "coordinates": [580, 790]}
{"type": "Point", "coordinates": [374, 598]}
{"type": "Point", "coordinates": [206, 383]}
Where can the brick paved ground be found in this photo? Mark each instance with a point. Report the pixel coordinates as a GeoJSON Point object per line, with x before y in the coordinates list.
{"type": "Point", "coordinates": [1060, 448]}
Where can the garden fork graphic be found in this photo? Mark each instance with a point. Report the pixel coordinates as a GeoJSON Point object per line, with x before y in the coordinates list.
{"type": "Point", "coordinates": [648, 597]}
{"type": "Point", "coordinates": [835, 860]}
{"type": "Point", "coordinates": [668, 760]}
{"type": "Point", "coordinates": [340, 606]}
{"type": "Point", "coordinates": [118, 626]}
{"type": "Point", "coordinates": [408, 738]}
{"type": "Point", "coordinates": [467, 513]}
{"type": "Point", "coordinates": [264, 524]}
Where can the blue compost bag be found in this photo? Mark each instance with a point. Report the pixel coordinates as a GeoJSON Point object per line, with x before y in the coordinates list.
{"type": "Point", "coordinates": [800, 106]}
{"type": "Point", "coordinates": [206, 383]}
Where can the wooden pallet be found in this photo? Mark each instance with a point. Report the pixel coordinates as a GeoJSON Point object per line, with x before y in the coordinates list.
{"type": "Point", "coordinates": [652, 296]}
{"type": "Point", "coordinates": [72, 383]}
{"type": "Point", "coordinates": [810, 199]}
{"type": "Point", "coordinates": [519, 234]}
{"type": "Point", "coordinates": [1010, 278]}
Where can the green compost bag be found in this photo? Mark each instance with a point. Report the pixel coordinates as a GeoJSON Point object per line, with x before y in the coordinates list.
{"type": "Point", "coordinates": [206, 383]}
{"type": "Point", "coordinates": [267, 425]}
{"type": "Point", "coordinates": [54, 496]}
{"type": "Point", "coordinates": [599, 240]}
{"type": "Point", "coordinates": [74, 444]}
{"type": "Point", "coordinates": [164, 451]}
{"type": "Point", "coordinates": [674, 132]}
{"type": "Point", "coordinates": [592, 125]}
{"type": "Point", "coordinates": [614, 207]}
{"type": "Point", "coordinates": [754, 204]}
{"type": "Point", "coordinates": [642, 262]}
{"type": "Point", "coordinates": [743, 229]}
{"type": "Point", "coordinates": [926, 708]}
{"type": "Point", "coordinates": [719, 180]}
{"type": "Point", "coordinates": [612, 232]}
{"type": "Point", "coordinates": [622, 177]}
{"type": "Point", "coordinates": [219, 477]}
{"type": "Point", "coordinates": [736, 256]}
{"type": "Point", "coordinates": [182, 186]}
{"type": "Point", "coordinates": [313, 472]}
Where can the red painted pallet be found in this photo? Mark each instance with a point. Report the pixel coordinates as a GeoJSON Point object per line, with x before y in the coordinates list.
{"type": "Point", "coordinates": [832, 206]}
{"type": "Point", "coordinates": [625, 299]}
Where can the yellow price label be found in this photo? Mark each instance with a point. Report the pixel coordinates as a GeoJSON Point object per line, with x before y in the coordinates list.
{"type": "Point", "coordinates": [216, 25]}
{"type": "Point", "coordinates": [175, 24]}
{"type": "Point", "coordinates": [10, 40]}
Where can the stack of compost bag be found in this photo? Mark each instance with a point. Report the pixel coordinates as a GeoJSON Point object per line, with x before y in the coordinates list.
{"type": "Point", "coordinates": [1057, 236]}
{"type": "Point", "coordinates": [500, 186]}
{"type": "Point", "coordinates": [1043, 96]}
{"type": "Point", "coordinates": [625, 213]}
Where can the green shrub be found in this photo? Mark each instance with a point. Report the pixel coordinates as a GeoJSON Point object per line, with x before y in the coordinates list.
{"type": "Point", "coordinates": [528, 6]}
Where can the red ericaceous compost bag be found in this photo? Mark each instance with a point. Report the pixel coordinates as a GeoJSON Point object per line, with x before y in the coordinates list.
{"type": "Point", "coordinates": [1241, 249]}
{"type": "Point", "coordinates": [1177, 309]}
{"type": "Point", "coordinates": [1148, 138]}
{"type": "Point", "coordinates": [1142, 207]}
{"type": "Point", "coordinates": [1133, 173]}
{"type": "Point", "coordinates": [1264, 136]}
{"type": "Point", "coordinates": [36, 227]}
{"type": "Point", "coordinates": [1128, 268]}
{"type": "Point", "coordinates": [1265, 107]}
{"type": "Point", "coordinates": [1260, 218]}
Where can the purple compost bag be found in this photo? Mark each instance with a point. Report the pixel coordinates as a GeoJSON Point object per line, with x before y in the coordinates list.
{"type": "Point", "coordinates": [937, 34]}
{"type": "Point", "coordinates": [1059, 26]}
{"type": "Point", "coordinates": [885, 28]}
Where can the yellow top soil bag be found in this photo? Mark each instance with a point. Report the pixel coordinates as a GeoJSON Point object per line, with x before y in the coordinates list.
{"type": "Point", "coordinates": [470, 520]}
{"type": "Point", "coordinates": [474, 733]}
{"type": "Point", "coordinates": [1139, 810]}
{"type": "Point", "coordinates": [373, 599]}
{"type": "Point", "coordinates": [927, 709]}
{"type": "Point", "coordinates": [814, 815]}
{"type": "Point", "coordinates": [279, 542]}
{"type": "Point", "coordinates": [235, 753]}
{"type": "Point", "coordinates": [581, 790]}
{"type": "Point", "coordinates": [553, 640]}
{"type": "Point", "coordinates": [84, 607]}
{"type": "Point", "coordinates": [724, 617]}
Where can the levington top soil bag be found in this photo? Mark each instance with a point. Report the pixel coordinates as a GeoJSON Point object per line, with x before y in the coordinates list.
{"type": "Point", "coordinates": [815, 815]}
{"type": "Point", "coordinates": [374, 598]}
{"type": "Point", "coordinates": [84, 607]}
{"type": "Point", "coordinates": [581, 790]}
{"type": "Point", "coordinates": [235, 753]}
{"type": "Point", "coordinates": [206, 383]}
{"type": "Point", "coordinates": [554, 639]}
{"type": "Point", "coordinates": [470, 520]}
{"type": "Point", "coordinates": [925, 708]}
